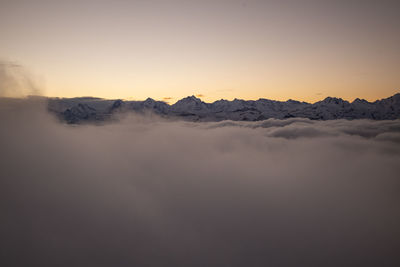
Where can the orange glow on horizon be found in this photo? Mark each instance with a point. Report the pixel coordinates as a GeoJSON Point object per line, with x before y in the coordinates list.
{"type": "Point", "coordinates": [217, 49]}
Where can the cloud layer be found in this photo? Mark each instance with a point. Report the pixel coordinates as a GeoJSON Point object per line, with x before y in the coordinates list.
{"type": "Point", "coordinates": [147, 192]}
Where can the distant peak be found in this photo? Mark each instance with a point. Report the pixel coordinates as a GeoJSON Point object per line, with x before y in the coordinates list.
{"type": "Point", "coordinates": [117, 104]}
{"type": "Point", "coordinates": [333, 100]}
{"type": "Point", "coordinates": [191, 98]}
{"type": "Point", "coordinates": [358, 100]}
{"type": "Point", "coordinates": [396, 95]}
{"type": "Point", "coordinates": [329, 98]}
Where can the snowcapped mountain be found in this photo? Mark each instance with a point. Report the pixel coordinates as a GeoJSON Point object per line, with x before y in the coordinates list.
{"type": "Point", "coordinates": [75, 110]}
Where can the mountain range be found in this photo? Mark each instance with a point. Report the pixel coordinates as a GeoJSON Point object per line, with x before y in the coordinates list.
{"type": "Point", "coordinates": [191, 108]}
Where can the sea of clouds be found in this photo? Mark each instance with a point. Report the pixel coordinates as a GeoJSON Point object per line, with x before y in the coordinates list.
{"type": "Point", "coordinates": [143, 191]}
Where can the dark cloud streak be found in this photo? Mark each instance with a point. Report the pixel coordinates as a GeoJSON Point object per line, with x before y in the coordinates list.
{"type": "Point", "coordinates": [16, 81]}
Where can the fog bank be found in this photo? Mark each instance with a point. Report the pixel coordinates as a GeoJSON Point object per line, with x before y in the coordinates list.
{"type": "Point", "coordinates": [149, 192]}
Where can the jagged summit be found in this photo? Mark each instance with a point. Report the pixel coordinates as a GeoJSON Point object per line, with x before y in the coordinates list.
{"type": "Point", "coordinates": [76, 110]}
{"type": "Point", "coordinates": [333, 100]}
{"type": "Point", "coordinates": [294, 101]}
{"type": "Point", "coordinates": [189, 99]}
{"type": "Point", "coordinates": [362, 101]}
{"type": "Point", "coordinates": [190, 104]}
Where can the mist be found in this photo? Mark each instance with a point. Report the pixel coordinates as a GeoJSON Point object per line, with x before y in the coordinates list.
{"type": "Point", "coordinates": [18, 81]}
{"type": "Point", "coordinates": [144, 191]}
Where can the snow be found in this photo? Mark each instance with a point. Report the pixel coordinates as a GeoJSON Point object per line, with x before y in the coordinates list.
{"type": "Point", "coordinates": [191, 108]}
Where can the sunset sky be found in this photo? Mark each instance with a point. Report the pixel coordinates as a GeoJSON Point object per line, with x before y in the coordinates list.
{"type": "Point", "coordinates": [304, 50]}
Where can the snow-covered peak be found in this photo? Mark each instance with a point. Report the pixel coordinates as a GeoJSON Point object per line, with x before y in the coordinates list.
{"type": "Point", "coordinates": [291, 101]}
{"type": "Point", "coordinates": [190, 104]}
{"type": "Point", "coordinates": [193, 108]}
{"type": "Point", "coordinates": [333, 100]}
{"type": "Point", "coordinates": [360, 101]}
{"type": "Point", "coordinates": [190, 99]}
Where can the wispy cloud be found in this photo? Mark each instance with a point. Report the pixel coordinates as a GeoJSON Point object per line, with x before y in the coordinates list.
{"type": "Point", "coordinates": [167, 99]}
{"type": "Point", "coordinates": [16, 81]}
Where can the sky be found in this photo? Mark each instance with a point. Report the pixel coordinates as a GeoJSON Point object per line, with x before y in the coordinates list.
{"type": "Point", "coordinates": [305, 50]}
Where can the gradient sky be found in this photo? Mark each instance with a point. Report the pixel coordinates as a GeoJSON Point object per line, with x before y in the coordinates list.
{"type": "Point", "coordinates": [303, 50]}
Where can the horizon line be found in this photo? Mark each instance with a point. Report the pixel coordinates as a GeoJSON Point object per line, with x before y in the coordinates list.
{"type": "Point", "coordinates": [194, 96]}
